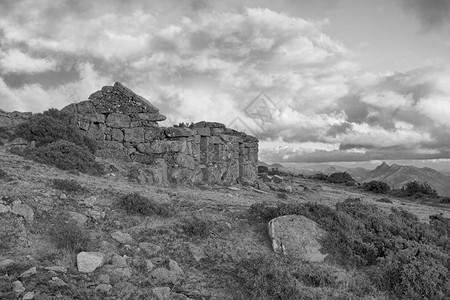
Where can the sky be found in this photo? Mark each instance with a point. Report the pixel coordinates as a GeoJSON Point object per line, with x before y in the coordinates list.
{"type": "Point", "coordinates": [314, 80]}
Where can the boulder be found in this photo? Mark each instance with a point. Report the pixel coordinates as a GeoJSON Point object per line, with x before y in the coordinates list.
{"type": "Point", "coordinates": [80, 219]}
{"type": "Point", "coordinates": [297, 236]}
{"type": "Point", "coordinates": [277, 179]}
{"type": "Point", "coordinates": [197, 252]}
{"type": "Point", "coordinates": [121, 237]}
{"type": "Point", "coordinates": [169, 274]}
{"type": "Point", "coordinates": [18, 287]}
{"type": "Point", "coordinates": [23, 210]}
{"type": "Point", "coordinates": [88, 262]}
{"type": "Point", "coordinates": [149, 248]}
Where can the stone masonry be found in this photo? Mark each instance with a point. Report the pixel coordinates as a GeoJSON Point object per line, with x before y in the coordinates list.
{"type": "Point", "coordinates": [125, 126]}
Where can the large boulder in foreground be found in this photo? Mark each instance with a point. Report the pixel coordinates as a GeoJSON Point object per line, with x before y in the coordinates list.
{"type": "Point", "coordinates": [297, 236]}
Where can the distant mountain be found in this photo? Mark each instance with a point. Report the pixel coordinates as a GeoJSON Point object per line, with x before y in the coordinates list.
{"type": "Point", "coordinates": [274, 165]}
{"type": "Point", "coordinates": [397, 175]}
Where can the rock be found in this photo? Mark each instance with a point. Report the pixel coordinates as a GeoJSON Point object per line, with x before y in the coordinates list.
{"type": "Point", "coordinates": [119, 261]}
{"type": "Point", "coordinates": [161, 293]}
{"type": "Point", "coordinates": [57, 282]}
{"type": "Point", "coordinates": [263, 169]}
{"type": "Point", "coordinates": [263, 187]}
{"type": "Point", "coordinates": [196, 252]}
{"type": "Point", "coordinates": [117, 274]}
{"type": "Point", "coordinates": [149, 248]}
{"type": "Point", "coordinates": [4, 209]}
{"type": "Point", "coordinates": [171, 275]}
{"type": "Point", "coordinates": [116, 120]}
{"type": "Point", "coordinates": [80, 219]}
{"type": "Point", "coordinates": [284, 187]}
{"type": "Point", "coordinates": [134, 135]}
{"type": "Point", "coordinates": [149, 265]}
{"type": "Point", "coordinates": [23, 210]}
{"type": "Point", "coordinates": [277, 179]}
{"type": "Point", "coordinates": [6, 263]}
{"type": "Point", "coordinates": [103, 278]}
{"type": "Point", "coordinates": [29, 272]}
{"type": "Point", "coordinates": [18, 287]}
{"type": "Point", "coordinates": [104, 288]}
{"type": "Point", "coordinates": [121, 237]}
{"type": "Point", "coordinates": [28, 296]}
{"type": "Point", "coordinates": [88, 262]}
{"type": "Point", "coordinates": [297, 236]}
{"type": "Point", "coordinates": [172, 132]}
{"type": "Point", "coordinates": [58, 269]}
{"type": "Point", "coordinates": [233, 188]}
{"type": "Point", "coordinates": [96, 214]}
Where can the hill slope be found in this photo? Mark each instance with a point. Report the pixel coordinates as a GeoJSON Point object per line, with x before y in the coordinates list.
{"type": "Point", "coordinates": [397, 175]}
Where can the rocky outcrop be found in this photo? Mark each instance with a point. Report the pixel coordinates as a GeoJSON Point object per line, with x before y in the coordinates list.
{"type": "Point", "coordinates": [12, 119]}
{"type": "Point", "coordinates": [125, 126]}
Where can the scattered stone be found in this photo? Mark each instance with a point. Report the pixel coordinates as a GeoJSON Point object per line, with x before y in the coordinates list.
{"type": "Point", "coordinates": [88, 262]}
{"type": "Point", "coordinates": [297, 236]}
{"type": "Point", "coordinates": [63, 196]}
{"type": "Point", "coordinates": [149, 265]}
{"type": "Point", "coordinates": [149, 248]}
{"type": "Point", "coordinates": [277, 179]}
{"type": "Point", "coordinates": [57, 282]}
{"type": "Point", "coordinates": [126, 290]}
{"type": "Point", "coordinates": [80, 219]}
{"type": "Point", "coordinates": [29, 272]}
{"type": "Point", "coordinates": [6, 263]}
{"type": "Point", "coordinates": [197, 252]}
{"type": "Point", "coordinates": [233, 188]}
{"type": "Point", "coordinates": [161, 293]}
{"type": "Point", "coordinates": [4, 209]}
{"type": "Point", "coordinates": [57, 269]}
{"type": "Point", "coordinates": [119, 261]}
{"type": "Point", "coordinates": [28, 296]}
{"type": "Point", "coordinates": [263, 187]}
{"type": "Point", "coordinates": [104, 278]}
{"type": "Point", "coordinates": [96, 214]}
{"type": "Point", "coordinates": [258, 191]}
{"type": "Point", "coordinates": [105, 288]}
{"type": "Point", "coordinates": [117, 274]}
{"type": "Point", "coordinates": [23, 210]}
{"type": "Point", "coordinates": [106, 246]}
{"type": "Point", "coordinates": [18, 287]}
{"type": "Point", "coordinates": [121, 237]}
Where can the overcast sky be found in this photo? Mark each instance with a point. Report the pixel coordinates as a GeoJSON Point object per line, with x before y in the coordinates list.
{"type": "Point", "coordinates": [343, 80]}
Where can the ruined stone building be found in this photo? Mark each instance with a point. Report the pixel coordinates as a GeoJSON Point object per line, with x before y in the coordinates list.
{"type": "Point", "coordinates": [125, 125]}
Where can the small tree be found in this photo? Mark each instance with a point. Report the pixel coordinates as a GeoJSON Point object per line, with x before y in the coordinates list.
{"type": "Point", "coordinates": [414, 188]}
{"type": "Point", "coordinates": [377, 187]}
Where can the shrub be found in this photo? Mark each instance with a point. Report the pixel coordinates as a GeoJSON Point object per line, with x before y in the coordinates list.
{"type": "Point", "coordinates": [341, 178]}
{"type": "Point", "coordinates": [319, 176]}
{"type": "Point", "coordinates": [196, 226]}
{"type": "Point", "coordinates": [3, 174]}
{"type": "Point", "coordinates": [385, 200]}
{"type": "Point", "coordinates": [415, 188]}
{"type": "Point", "coordinates": [51, 126]}
{"type": "Point", "coordinates": [137, 204]}
{"type": "Point", "coordinates": [264, 278]}
{"type": "Point", "coordinates": [418, 272]}
{"type": "Point", "coordinates": [64, 155]}
{"type": "Point", "coordinates": [377, 187]}
{"type": "Point", "coordinates": [68, 235]}
{"type": "Point", "coordinates": [66, 185]}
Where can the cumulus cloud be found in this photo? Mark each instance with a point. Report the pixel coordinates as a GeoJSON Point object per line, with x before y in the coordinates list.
{"type": "Point", "coordinates": [16, 61]}
{"type": "Point", "coordinates": [208, 60]}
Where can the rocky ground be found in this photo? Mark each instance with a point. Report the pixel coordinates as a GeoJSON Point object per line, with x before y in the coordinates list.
{"type": "Point", "coordinates": [135, 256]}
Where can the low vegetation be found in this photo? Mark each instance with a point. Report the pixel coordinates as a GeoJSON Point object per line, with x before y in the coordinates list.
{"type": "Point", "coordinates": [197, 227]}
{"type": "Point", "coordinates": [64, 155]}
{"type": "Point", "coordinates": [137, 204]}
{"type": "Point", "coordinates": [66, 234]}
{"type": "Point", "coordinates": [70, 186]}
{"type": "Point", "coordinates": [407, 258]}
{"type": "Point", "coordinates": [343, 178]}
{"type": "Point", "coordinates": [377, 187]}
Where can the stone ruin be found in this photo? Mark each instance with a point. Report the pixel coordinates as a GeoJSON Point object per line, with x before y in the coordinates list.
{"type": "Point", "coordinates": [125, 125]}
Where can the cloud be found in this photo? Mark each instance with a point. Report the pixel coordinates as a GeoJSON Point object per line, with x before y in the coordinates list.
{"type": "Point", "coordinates": [16, 61]}
{"type": "Point", "coordinates": [433, 14]}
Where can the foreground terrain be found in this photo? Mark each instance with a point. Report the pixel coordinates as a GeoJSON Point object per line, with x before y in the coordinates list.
{"type": "Point", "coordinates": [197, 246]}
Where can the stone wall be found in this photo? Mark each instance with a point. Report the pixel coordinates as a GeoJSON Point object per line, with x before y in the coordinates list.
{"type": "Point", "coordinates": [125, 125]}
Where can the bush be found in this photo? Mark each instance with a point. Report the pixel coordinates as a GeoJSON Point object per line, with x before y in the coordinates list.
{"type": "Point", "coordinates": [415, 188]}
{"type": "Point", "coordinates": [341, 178]}
{"type": "Point", "coordinates": [264, 278]}
{"type": "Point", "coordinates": [137, 204]}
{"type": "Point", "coordinates": [377, 187]}
{"type": "Point", "coordinates": [196, 226]}
{"type": "Point", "coordinates": [66, 185]}
{"type": "Point", "coordinates": [418, 272]}
{"type": "Point", "coordinates": [3, 174]}
{"type": "Point", "coordinates": [64, 155]}
{"type": "Point", "coordinates": [385, 200]}
{"type": "Point", "coordinates": [52, 126]}
{"type": "Point", "coordinates": [319, 176]}
{"type": "Point", "coordinates": [68, 235]}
